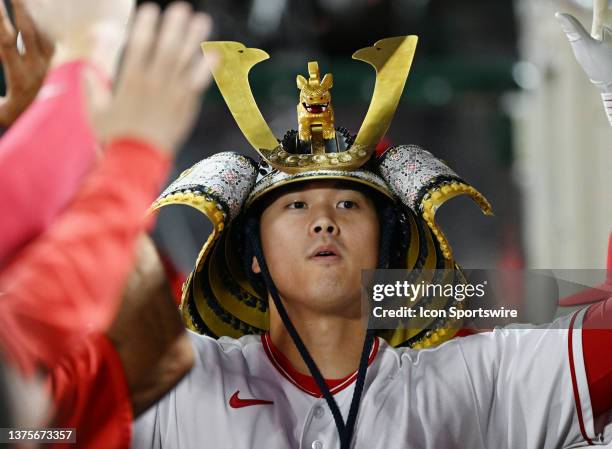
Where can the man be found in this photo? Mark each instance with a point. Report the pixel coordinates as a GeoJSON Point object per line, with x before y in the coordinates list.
{"type": "Point", "coordinates": [33, 146]}
{"type": "Point", "coordinates": [122, 372]}
{"type": "Point", "coordinates": [107, 216]}
{"type": "Point", "coordinates": [290, 237]}
{"type": "Point", "coordinates": [594, 54]}
{"type": "Point", "coordinates": [80, 263]}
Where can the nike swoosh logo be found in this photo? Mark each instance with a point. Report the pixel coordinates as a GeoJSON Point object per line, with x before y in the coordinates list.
{"type": "Point", "coordinates": [236, 402]}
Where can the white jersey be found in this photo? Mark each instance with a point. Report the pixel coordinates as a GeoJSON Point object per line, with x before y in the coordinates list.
{"type": "Point", "coordinates": [511, 388]}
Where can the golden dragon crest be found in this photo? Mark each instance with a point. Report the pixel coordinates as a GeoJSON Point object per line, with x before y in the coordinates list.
{"type": "Point", "coordinates": [315, 111]}
{"type": "Point", "coordinates": [391, 58]}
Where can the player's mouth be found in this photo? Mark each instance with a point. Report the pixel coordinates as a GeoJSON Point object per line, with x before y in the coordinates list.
{"type": "Point", "coordinates": [326, 253]}
{"type": "Point", "coordinates": [316, 108]}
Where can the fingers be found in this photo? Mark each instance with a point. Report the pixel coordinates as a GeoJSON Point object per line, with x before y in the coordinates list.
{"type": "Point", "coordinates": [46, 46]}
{"type": "Point", "coordinates": [201, 76]}
{"type": "Point", "coordinates": [157, 96]}
{"type": "Point", "coordinates": [8, 37]}
{"type": "Point", "coordinates": [5, 21]}
{"type": "Point", "coordinates": [202, 73]}
{"type": "Point", "coordinates": [31, 37]}
{"type": "Point", "coordinates": [573, 28]}
{"type": "Point", "coordinates": [199, 30]}
{"type": "Point", "coordinates": [140, 43]}
{"type": "Point", "coordinates": [171, 35]}
{"type": "Point", "coordinates": [25, 24]}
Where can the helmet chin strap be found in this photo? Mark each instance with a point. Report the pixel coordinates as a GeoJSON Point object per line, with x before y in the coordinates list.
{"type": "Point", "coordinates": [345, 430]}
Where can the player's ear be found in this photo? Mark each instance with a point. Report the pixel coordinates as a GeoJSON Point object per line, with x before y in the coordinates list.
{"type": "Point", "coordinates": [255, 266]}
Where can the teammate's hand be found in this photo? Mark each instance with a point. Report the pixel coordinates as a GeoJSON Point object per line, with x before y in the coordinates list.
{"type": "Point", "coordinates": [70, 19]}
{"type": "Point", "coordinates": [89, 30]}
{"type": "Point", "coordinates": [594, 56]}
{"type": "Point", "coordinates": [164, 73]}
{"type": "Point", "coordinates": [24, 71]}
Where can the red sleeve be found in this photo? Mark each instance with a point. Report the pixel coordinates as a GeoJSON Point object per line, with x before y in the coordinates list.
{"type": "Point", "coordinates": [69, 280]}
{"type": "Point", "coordinates": [597, 347]}
{"type": "Point", "coordinates": [91, 395]}
{"type": "Point", "coordinates": [43, 158]}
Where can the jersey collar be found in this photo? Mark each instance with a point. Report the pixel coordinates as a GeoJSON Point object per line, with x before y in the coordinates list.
{"type": "Point", "coordinates": [302, 381]}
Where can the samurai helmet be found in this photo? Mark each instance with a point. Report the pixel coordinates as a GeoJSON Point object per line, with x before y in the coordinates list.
{"type": "Point", "coordinates": [218, 298]}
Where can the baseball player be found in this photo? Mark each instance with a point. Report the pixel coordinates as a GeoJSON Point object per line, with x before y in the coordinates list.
{"type": "Point", "coordinates": [97, 382]}
{"type": "Point", "coordinates": [282, 358]}
{"type": "Point", "coordinates": [594, 54]}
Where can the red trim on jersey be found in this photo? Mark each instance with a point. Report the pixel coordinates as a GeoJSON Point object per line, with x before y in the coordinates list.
{"type": "Point", "coordinates": [302, 381]}
{"type": "Point", "coordinates": [465, 332]}
{"type": "Point", "coordinates": [596, 344]}
{"type": "Point", "coordinates": [570, 341]}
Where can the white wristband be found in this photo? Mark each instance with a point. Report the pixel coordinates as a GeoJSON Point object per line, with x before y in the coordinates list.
{"type": "Point", "coordinates": [607, 101]}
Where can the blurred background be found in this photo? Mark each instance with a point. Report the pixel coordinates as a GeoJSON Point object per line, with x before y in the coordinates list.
{"type": "Point", "coordinates": [494, 90]}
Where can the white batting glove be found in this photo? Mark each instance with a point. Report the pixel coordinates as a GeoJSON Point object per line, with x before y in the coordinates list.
{"type": "Point", "coordinates": [593, 55]}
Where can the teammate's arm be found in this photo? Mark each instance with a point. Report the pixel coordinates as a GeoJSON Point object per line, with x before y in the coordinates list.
{"type": "Point", "coordinates": [69, 280]}
{"type": "Point", "coordinates": [594, 54]}
{"type": "Point", "coordinates": [46, 154]}
{"type": "Point", "coordinates": [148, 332]}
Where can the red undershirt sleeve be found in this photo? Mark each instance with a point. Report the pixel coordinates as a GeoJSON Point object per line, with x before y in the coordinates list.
{"type": "Point", "coordinates": [68, 281]}
{"type": "Point", "coordinates": [44, 156]}
{"type": "Point", "coordinates": [597, 353]}
{"type": "Point", "coordinates": [91, 395]}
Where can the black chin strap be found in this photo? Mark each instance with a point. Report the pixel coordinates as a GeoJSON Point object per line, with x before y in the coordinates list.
{"type": "Point", "coordinates": [345, 430]}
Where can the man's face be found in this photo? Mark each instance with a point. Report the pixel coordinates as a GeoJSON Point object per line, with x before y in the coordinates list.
{"type": "Point", "coordinates": [316, 240]}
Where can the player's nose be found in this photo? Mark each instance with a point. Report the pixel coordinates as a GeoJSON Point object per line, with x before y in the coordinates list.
{"type": "Point", "coordinates": [324, 224]}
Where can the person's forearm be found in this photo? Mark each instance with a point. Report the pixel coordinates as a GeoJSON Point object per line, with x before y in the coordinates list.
{"type": "Point", "coordinates": [148, 332]}
{"type": "Point", "coordinates": [99, 46]}
{"type": "Point", "coordinates": [69, 280]}
{"type": "Point", "coordinates": [43, 158]}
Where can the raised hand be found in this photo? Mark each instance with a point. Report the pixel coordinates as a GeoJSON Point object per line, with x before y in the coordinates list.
{"type": "Point", "coordinates": [163, 75]}
{"type": "Point", "coordinates": [593, 55]}
{"type": "Point", "coordinates": [69, 19]}
{"type": "Point", "coordinates": [24, 71]}
{"type": "Point", "coordinates": [90, 30]}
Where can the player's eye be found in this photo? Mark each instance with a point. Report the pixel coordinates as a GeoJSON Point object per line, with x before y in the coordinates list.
{"type": "Point", "coordinates": [347, 204]}
{"type": "Point", "coordinates": [296, 205]}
